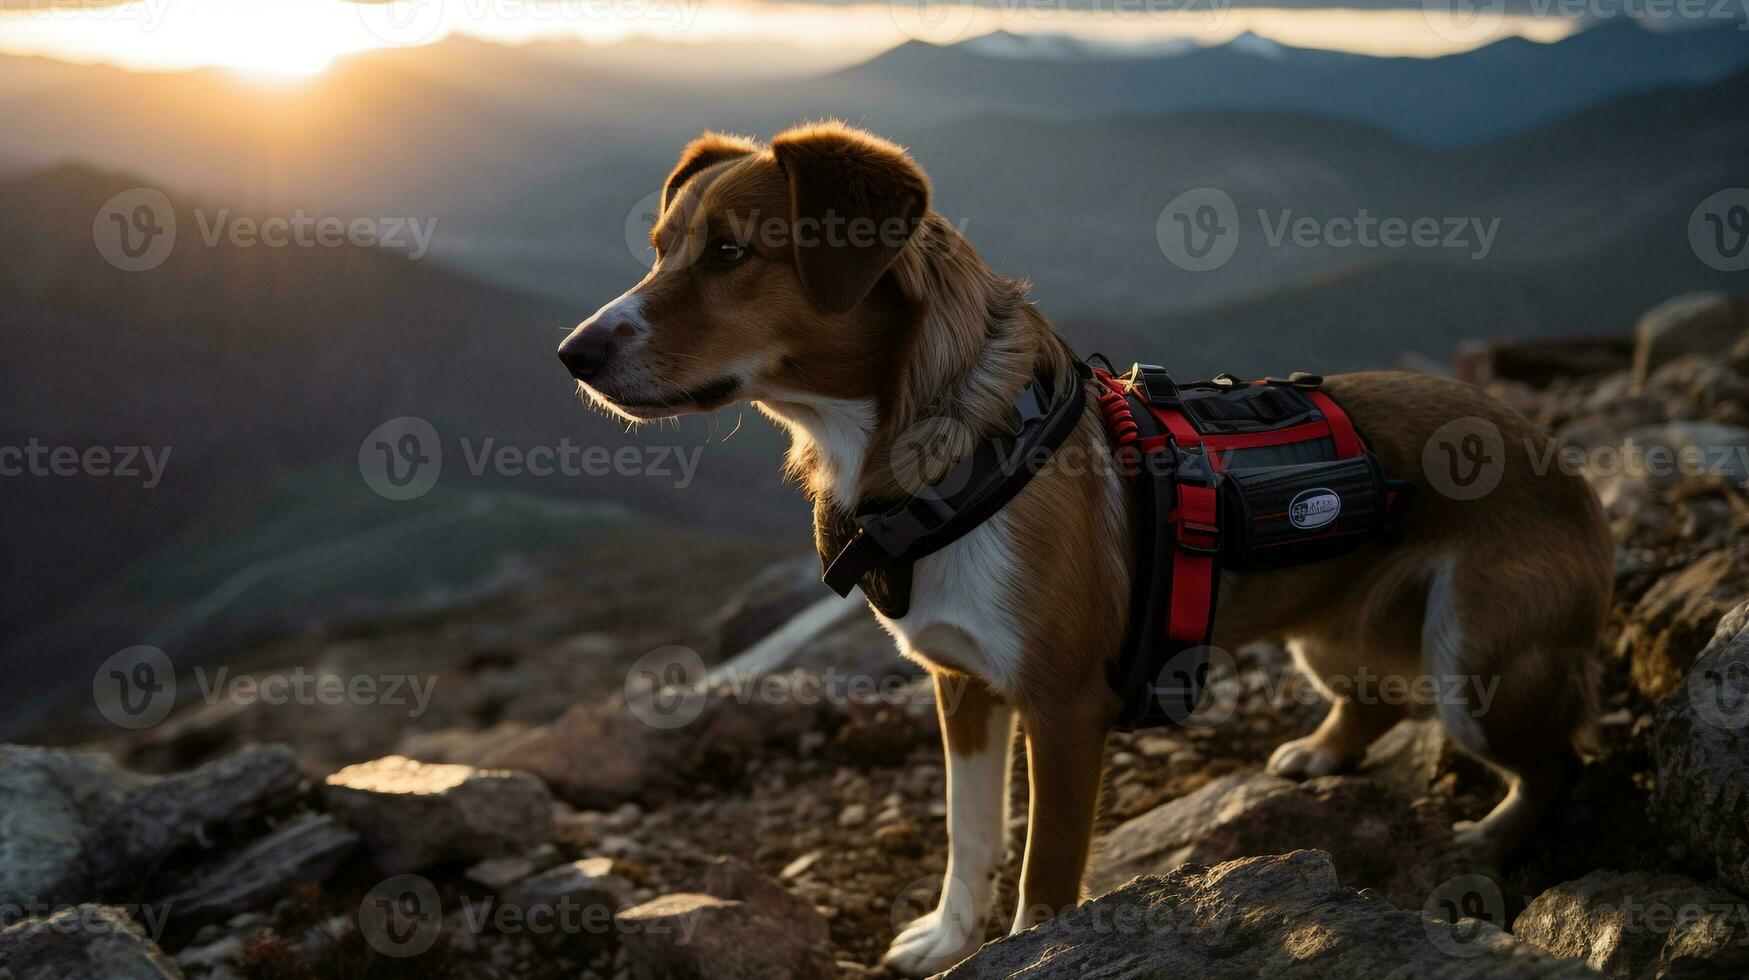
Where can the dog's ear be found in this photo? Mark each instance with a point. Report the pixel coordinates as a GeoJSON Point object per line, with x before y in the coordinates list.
{"type": "Point", "coordinates": [708, 150]}
{"type": "Point", "coordinates": [855, 199]}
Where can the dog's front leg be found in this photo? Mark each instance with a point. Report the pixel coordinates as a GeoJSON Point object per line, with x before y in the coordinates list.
{"type": "Point", "coordinates": [977, 731]}
{"type": "Point", "coordinates": [1065, 754]}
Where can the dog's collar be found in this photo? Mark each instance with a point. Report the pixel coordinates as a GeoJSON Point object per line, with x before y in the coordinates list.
{"type": "Point", "coordinates": [889, 536]}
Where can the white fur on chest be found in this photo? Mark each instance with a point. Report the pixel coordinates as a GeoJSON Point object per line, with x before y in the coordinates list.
{"type": "Point", "coordinates": [970, 585]}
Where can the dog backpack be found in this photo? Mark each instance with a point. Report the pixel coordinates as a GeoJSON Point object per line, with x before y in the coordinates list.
{"type": "Point", "coordinates": [1226, 474]}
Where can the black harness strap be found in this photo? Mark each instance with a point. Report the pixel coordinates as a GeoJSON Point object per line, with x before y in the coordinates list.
{"type": "Point", "coordinates": [877, 546]}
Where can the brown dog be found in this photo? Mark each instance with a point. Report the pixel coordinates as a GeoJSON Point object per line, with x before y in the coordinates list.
{"type": "Point", "coordinates": [811, 278]}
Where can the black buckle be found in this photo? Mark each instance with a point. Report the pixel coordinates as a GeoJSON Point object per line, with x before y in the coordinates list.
{"type": "Point", "coordinates": [1213, 534]}
{"type": "Point", "coordinates": [1031, 404]}
{"type": "Point", "coordinates": [1156, 386]}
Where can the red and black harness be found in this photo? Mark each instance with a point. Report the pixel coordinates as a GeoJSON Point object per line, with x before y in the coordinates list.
{"type": "Point", "coordinates": [1225, 474]}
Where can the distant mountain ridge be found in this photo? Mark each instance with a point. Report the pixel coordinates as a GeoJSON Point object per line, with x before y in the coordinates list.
{"type": "Point", "coordinates": [1501, 88]}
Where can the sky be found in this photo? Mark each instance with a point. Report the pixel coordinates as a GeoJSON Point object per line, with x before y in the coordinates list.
{"type": "Point", "coordinates": [294, 37]}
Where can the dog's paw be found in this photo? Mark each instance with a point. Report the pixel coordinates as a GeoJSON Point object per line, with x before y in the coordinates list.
{"type": "Point", "coordinates": [1306, 758]}
{"type": "Point", "coordinates": [933, 943]}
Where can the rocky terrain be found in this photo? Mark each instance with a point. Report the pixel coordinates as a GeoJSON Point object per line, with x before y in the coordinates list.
{"type": "Point", "coordinates": [681, 757]}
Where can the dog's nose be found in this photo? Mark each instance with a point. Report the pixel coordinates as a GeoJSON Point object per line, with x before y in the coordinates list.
{"type": "Point", "coordinates": [585, 351]}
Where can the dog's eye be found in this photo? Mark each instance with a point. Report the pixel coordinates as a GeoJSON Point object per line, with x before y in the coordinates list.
{"type": "Point", "coordinates": [727, 252]}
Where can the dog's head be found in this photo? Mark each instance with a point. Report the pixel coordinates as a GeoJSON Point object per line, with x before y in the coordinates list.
{"type": "Point", "coordinates": [770, 281]}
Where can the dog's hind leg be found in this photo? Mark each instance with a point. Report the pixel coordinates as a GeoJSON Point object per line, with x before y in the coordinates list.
{"type": "Point", "coordinates": [1358, 713]}
{"type": "Point", "coordinates": [977, 731]}
{"type": "Point", "coordinates": [1514, 691]}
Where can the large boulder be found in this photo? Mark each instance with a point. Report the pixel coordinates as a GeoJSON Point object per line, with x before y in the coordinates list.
{"type": "Point", "coordinates": [1638, 924]}
{"type": "Point", "coordinates": [85, 941]}
{"type": "Point", "coordinates": [1694, 323]}
{"type": "Point", "coordinates": [1671, 622]}
{"type": "Point", "coordinates": [1283, 917]}
{"type": "Point", "coordinates": [692, 936]}
{"type": "Point", "coordinates": [1700, 743]}
{"type": "Point", "coordinates": [414, 816]}
{"type": "Point", "coordinates": [1364, 825]}
{"type": "Point", "coordinates": [49, 801]}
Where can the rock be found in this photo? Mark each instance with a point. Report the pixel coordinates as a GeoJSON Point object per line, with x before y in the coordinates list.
{"type": "Point", "coordinates": [597, 756]}
{"type": "Point", "coordinates": [1698, 384]}
{"type": "Point", "coordinates": [771, 599]}
{"type": "Point", "coordinates": [901, 837]}
{"type": "Point", "coordinates": [1365, 826]}
{"type": "Point", "coordinates": [95, 941]}
{"type": "Point", "coordinates": [177, 812]}
{"type": "Point", "coordinates": [1700, 744]}
{"type": "Point", "coordinates": [49, 800]}
{"type": "Point", "coordinates": [500, 873]}
{"type": "Point", "coordinates": [1694, 323]}
{"type": "Point", "coordinates": [701, 937]}
{"type": "Point", "coordinates": [733, 879]}
{"type": "Point", "coordinates": [1284, 917]}
{"type": "Point", "coordinates": [1673, 452]}
{"type": "Point", "coordinates": [801, 865]}
{"type": "Point", "coordinates": [589, 882]}
{"type": "Point", "coordinates": [459, 746]}
{"type": "Point", "coordinates": [1412, 756]}
{"type": "Point", "coordinates": [1671, 622]}
{"type": "Point", "coordinates": [1638, 924]}
{"type": "Point", "coordinates": [304, 851]}
{"type": "Point", "coordinates": [414, 816]}
{"type": "Point", "coordinates": [1538, 362]}
{"type": "Point", "coordinates": [854, 815]}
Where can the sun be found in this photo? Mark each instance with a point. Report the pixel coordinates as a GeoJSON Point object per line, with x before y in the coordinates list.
{"type": "Point", "coordinates": [267, 39]}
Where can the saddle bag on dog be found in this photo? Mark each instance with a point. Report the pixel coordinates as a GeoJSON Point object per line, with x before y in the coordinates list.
{"type": "Point", "coordinates": [1234, 475]}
